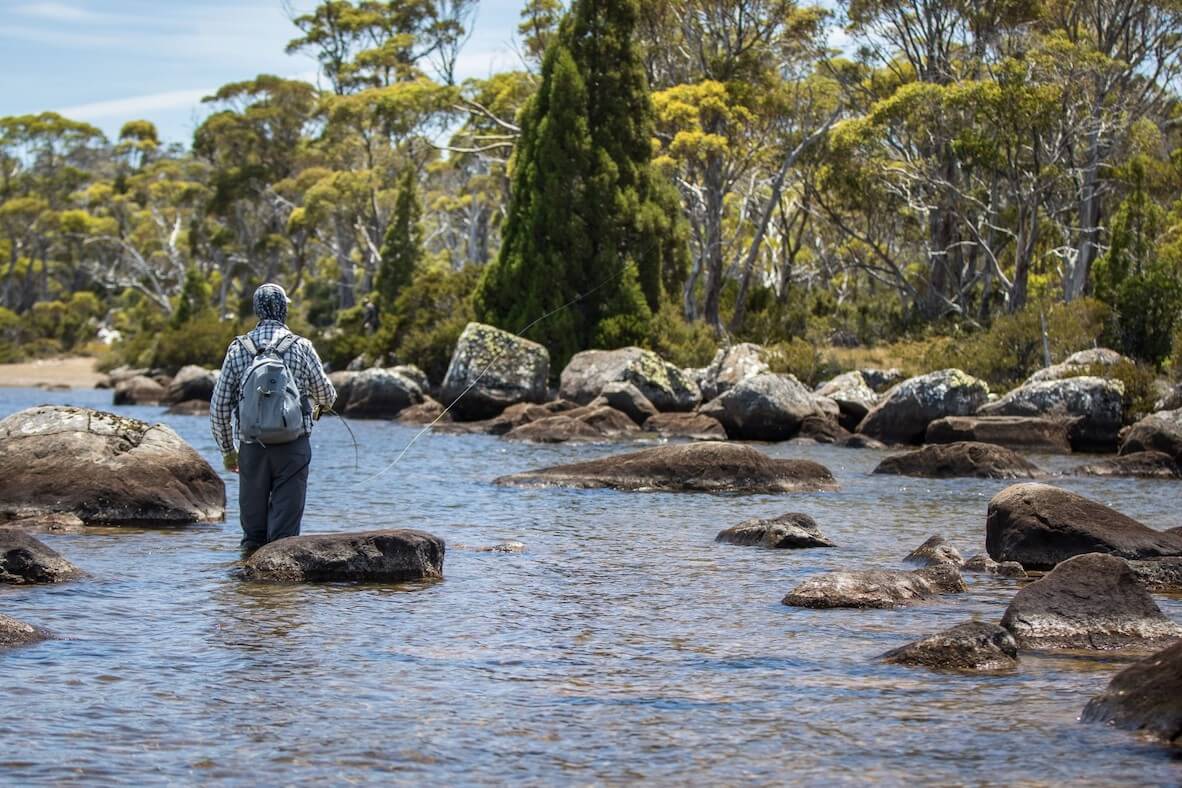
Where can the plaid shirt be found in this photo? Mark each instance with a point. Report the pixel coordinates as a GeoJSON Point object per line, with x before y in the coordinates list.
{"type": "Point", "coordinates": [301, 359]}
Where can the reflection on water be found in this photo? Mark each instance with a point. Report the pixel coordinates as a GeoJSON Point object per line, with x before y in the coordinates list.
{"type": "Point", "coordinates": [624, 644]}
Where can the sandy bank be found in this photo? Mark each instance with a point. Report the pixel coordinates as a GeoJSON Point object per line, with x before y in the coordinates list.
{"type": "Point", "coordinates": [75, 372]}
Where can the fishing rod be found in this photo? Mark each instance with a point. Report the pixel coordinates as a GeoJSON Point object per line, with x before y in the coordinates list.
{"type": "Point", "coordinates": [578, 297]}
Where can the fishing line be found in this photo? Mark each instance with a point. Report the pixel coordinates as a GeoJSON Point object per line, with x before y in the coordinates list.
{"type": "Point", "coordinates": [356, 451]}
{"type": "Point", "coordinates": [487, 367]}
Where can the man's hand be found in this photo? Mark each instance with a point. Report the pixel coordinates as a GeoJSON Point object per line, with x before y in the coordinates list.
{"type": "Point", "coordinates": [230, 459]}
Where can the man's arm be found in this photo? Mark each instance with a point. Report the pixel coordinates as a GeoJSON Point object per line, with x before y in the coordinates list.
{"type": "Point", "coordinates": [320, 388]}
{"type": "Point", "coordinates": [223, 402]}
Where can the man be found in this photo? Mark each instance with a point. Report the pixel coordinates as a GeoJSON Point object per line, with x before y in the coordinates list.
{"type": "Point", "coordinates": [273, 478]}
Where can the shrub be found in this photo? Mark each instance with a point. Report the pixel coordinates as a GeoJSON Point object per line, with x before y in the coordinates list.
{"type": "Point", "coordinates": [429, 316]}
{"type": "Point", "coordinates": [201, 340]}
{"type": "Point", "coordinates": [1139, 397]}
{"type": "Point", "coordinates": [802, 359]}
{"type": "Point", "coordinates": [679, 341]}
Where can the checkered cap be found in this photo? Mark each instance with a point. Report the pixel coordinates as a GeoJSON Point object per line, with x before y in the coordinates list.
{"type": "Point", "coordinates": [270, 303]}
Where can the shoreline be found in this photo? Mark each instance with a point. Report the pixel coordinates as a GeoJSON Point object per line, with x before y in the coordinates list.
{"type": "Point", "coordinates": [69, 371]}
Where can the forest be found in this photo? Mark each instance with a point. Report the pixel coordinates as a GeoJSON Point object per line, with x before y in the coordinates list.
{"type": "Point", "coordinates": [987, 184]}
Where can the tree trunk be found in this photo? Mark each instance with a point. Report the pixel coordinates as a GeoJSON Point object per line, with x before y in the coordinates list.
{"type": "Point", "coordinates": [1089, 216]}
{"type": "Point", "coordinates": [713, 252]}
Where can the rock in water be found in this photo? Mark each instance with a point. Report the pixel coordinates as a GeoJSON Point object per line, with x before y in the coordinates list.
{"type": "Point", "coordinates": [766, 407]}
{"type": "Point", "coordinates": [662, 384]}
{"type": "Point", "coordinates": [970, 646]}
{"type": "Point", "coordinates": [191, 383]}
{"type": "Point", "coordinates": [1146, 697]}
{"type": "Point", "coordinates": [1029, 433]}
{"type": "Point", "coordinates": [374, 393]}
{"type": "Point", "coordinates": [104, 469]}
{"type": "Point", "coordinates": [18, 633]}
{"type": "Point", "coordinates": [904, 413]}
{"type": "Point", "coordinates": [792, 531]}
{"type": "Point", "coordinates": [1159, 574]}
{"type": "Point", "coordinates": [140, 390]}
{"type": "Point", "coordinates": [694, 426]}
{"type": "Point", "coordinates": [502, 369]}
{"type": "Point", "coordinates": [936, 550]}
{"type": "Point", "coordinates": [1161, 431]}
{"type": "Point", "coordinates": [190, 407]}
{"type": "Point", "coordinates": [592, 423]}
{"type": "Point", "coordinates": [955, 460]}
{"type": "Point", "coordinates": [426, 412]}
{"type": "Point", "coordinates": [24, 560]}
{"type": "Point", "coordinates": [731, 366]}
{"type": "Point", "coordinates": [1092, 601]}
{"type": "Point", "coordinates": [1096, 404]}
{"type": "Point", "coordinates": [702, 467]}
{"type": "Point", "coordinates": [1139, 465]}
{"type": "Point", "coordinates": [1038, 526]}
{"type": "Point", "coordinates": [627, 399]}
{"type": "Point", "coordinates": [876, 588]}
{"type": "Point", "coordinates": [852, 394]}
{"type": "Point", "coordinates": [390, 556]}
{"type": "Point", "coordinates": [985, 564]}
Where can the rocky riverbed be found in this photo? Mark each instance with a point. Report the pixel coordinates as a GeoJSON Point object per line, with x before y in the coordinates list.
{"type": "Point", "coordinates": [621, 642]}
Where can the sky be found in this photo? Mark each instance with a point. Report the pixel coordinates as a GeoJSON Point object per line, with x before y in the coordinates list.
{"type": "Point", "coordinates": [109, 61]}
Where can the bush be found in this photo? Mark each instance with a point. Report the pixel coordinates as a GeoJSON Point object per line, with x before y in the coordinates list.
{"type": "Point", "coordinates": [1139, 397]}
{"type": "Point", "coordinates": [679, 341]}
{"type": "Point", "coordinates": [12, 336]}
{"type": "Point", "coordinates": [802, 359]}
{"type": "Point", "coordinates": [200, 340]}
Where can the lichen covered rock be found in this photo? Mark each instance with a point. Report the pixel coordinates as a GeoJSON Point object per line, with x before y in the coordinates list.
{"type": "Point", "coordinates": [667, 387]}
{"type": "Point", "coordinates": [493, 369]}
{"type": "Point", "coordinates": [904, 413]}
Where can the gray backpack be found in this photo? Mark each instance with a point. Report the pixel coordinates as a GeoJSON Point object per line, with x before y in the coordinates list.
{"type": "Point", "coordinates": [270, 408]}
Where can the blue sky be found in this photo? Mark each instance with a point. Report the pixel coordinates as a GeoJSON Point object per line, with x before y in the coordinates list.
{"type": "Point", "coordinates": [110, 61]}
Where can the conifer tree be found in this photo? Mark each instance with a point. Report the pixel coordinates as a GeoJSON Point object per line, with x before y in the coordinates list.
{"type": "Point", "coordinates": [402, 245]}
{"type": "Point", "coordinates": [587, 212]}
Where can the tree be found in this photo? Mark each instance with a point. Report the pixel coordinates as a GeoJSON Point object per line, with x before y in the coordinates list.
{"type": "Point", "coordinates": [402, 248]}
{"type": "Point", "coordinates": [589, 217]}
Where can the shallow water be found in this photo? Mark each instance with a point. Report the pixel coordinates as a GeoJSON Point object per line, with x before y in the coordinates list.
{"type": "Point", "coordinates": [624, 644]}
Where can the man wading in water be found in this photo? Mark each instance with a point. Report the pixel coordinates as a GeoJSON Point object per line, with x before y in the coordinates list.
{"type": "Point", "coordinates": [263, 399]}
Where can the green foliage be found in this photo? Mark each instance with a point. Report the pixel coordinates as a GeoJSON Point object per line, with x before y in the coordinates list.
{"type": "Point", "coordinates": [1012, 348]}
{"type": "Point", "coordinates": [201, 340]}
{"type": "Point", "coordinates": [679, 341]}
{"type": "Point", "coordinates": [430, 315]}
{"type": "Point", "coordinates": [1138, 379]}
{"type": "Point", "coordinates": [801, 358]}
{"type": "Point", "coordinates": [11, 336]}
{"type": "Point", "coordinates": [195, 298]}
{"type": "Point", "coordinates": [402, 248]}
{"type": "Point", "coordinates": [588, 215]}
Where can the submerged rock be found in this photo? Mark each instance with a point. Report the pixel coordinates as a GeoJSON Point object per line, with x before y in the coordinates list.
{"type": "Point", "coordinates": [1029, 433]}
{"type": "Point", "coordinates": [953, 460]}
{"type": "Point", "coordinates": [985, 564]}
{"type": "Point", "coordinates": [694, 426]}
{"type": "Point", "coordinates": [860, 441]}
{"type": "Point", "coordinates": [190, 407]}
{"type": "Point", "coordinates": [1161, 431]}
{"type": "Point", "coordinates": [876, 588]}
{"type": "Point", "coordinates": [592, 423]}
{"type": "Point", "coordinates": [936, 550]}
{"type": "Point", "coordinates": [500, 547]}
{"type": "Point", "coordinates": [791, 531]}
{"type": "Point", "coordinates": [1144, 697]}
{"type": "Point", "coordinates": [1038, 526]}
{"type": "Point", "coordinates": [667, 387]}
{"type": "Point", "coordinates": [766, 407]}
{"type": "Point", "coordinates": [1139, 465]}
{"type": "Point", "coordinates": [970, 646]}
{"type": "Point", "coordinates": [1092, 601]}
{"type": "Point", "coordinates": [1096, 405]}
{"type": "Point", "coordinates": [18, 633]}
{"type": "Point", "coordinates": [139, 390]}
{"type": "Point", "coordinates": [703, 467]}
{"type": "Point", "coordinates": [25, 560]}
{"type": "Point", "coordinates": [904, 413]}
{"type": "Point", "coordinates": [390, 556]}
{"type": "Point", "coordinates": [57, 523]}
{"type": "Point", "coordinates": [496, 369]}
{"type": "Point", "coordinates": [104, 469]}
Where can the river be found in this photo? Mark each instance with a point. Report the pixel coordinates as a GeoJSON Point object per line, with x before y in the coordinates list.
{"type": "Point", "coordinates": [624, 644]}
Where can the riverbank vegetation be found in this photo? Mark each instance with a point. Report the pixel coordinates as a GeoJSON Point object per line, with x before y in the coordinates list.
{"type": "Point", "coordinates": [930, 184]}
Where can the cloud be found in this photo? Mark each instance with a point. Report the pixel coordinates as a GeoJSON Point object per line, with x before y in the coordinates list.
{"type": "Point", "coordinates": [136, 106]}
{"type": "Point", "coordinates": [58, 12]}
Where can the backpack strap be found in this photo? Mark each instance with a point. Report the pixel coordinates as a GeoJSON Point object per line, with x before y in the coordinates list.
{"type": "Point", "coordinates": [283, 343]}
{"type": "Point", "coordinates": [248, 345]}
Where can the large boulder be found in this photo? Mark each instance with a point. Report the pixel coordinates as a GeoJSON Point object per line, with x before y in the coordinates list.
{"type": "Point", "coordinates": [104, 469]}
{"type": "Point", "coordinates": [965, 459]}
{"type": "Point", "coordinates": [493, 369]}
{"type": "Point", "coordinates": [1082, 363]}
{"type": "Point", "coordinates": [1161, 431]}
{"type": "Point", "coordinates": [18, 633]}
{"type": "Point", "coordinates": [592, 423]}
{"type": "Point", "coordinates": [626, 398]}
{"type": "Point", "coordinates": [876, 588]}
{"type": "Point", "coordinates": [375, 393]}
{"type": "Point", "coordinates": [766, 407]}
{"type": "Point", "coordinates": [705, 467]}
{"type": "Point", "coordinates": [731, 366]}
{"type": "Point", "coordinates": [191, 383]}
{"type": "Point", "coordinates": [791, 531]}
{"type": "Point", "coordinates": [1028, 433]}
{"type": "Point", "coordinates": [1144, 697]}
{"type": "Point", "coordinates": [1039, 526]}
{"type": "Point", "coordinates": [693, 426]}
{"type": "Point", "coordinates": [25, 560]}
{"type": "Point", "coordinates": [971, 646]}
{"type": "Point", "coordinates": [936, 550]}
{"type": "Point", "coordinates": [140, 390]}
{"type": "Point", "coordinates": [1171, 398]}
{"type": "Point", "coordinates": [881, 380]}
{"type": "Point", "coordinates": [1138, 465]}
{"type": "Point", "coordinates": [853, 396]}
{"type": "Point", "coordinates": [904, 413]}
{"type": "Point", "coordinates": [389, 556]}
{"type": "Point", "coordinates": [1092, 601]}
{"type": "Point", "coordinates": [667, 387]}
{"type": "Point", "coordinates": [1097, 404]}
